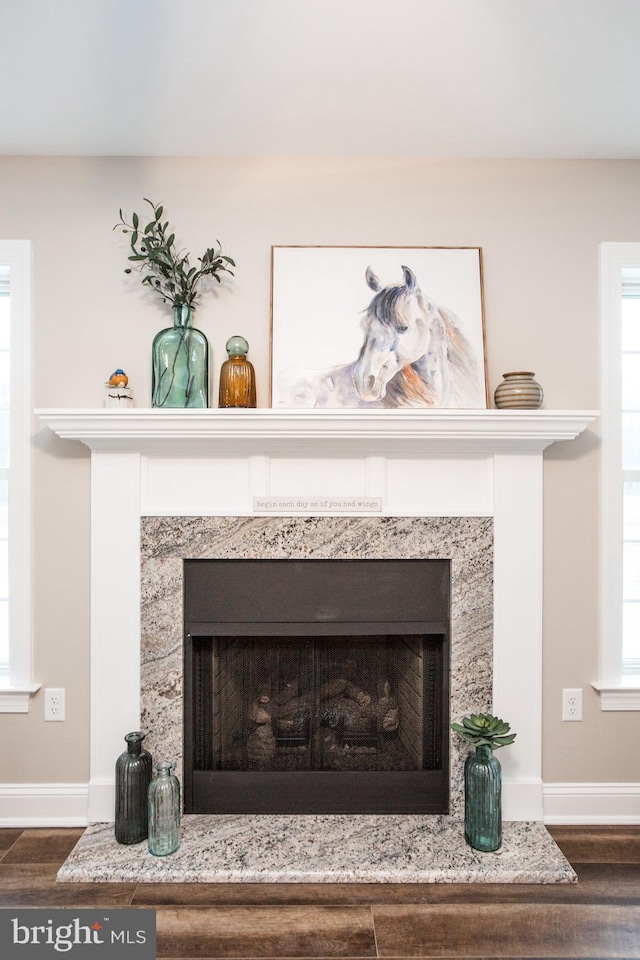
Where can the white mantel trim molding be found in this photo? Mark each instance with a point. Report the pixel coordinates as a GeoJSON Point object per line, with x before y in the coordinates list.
{"type": "Point", "coordinates": [483, 432]}
{"type": "Point", "coordinates": [415, 462]}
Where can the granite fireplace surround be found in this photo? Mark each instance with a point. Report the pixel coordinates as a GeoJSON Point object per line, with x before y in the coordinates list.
{"type": "Point", "coordinates": [167, 541]}
{"type": "Point", "coordinates": [260, 848]}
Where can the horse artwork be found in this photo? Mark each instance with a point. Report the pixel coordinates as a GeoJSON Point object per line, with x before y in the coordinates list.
{"type": "Point", "coordinates": [414, 353]}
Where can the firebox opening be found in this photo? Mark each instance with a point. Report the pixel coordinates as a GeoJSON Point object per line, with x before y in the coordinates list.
{"type": "Point", "coordinates": [327, 693]}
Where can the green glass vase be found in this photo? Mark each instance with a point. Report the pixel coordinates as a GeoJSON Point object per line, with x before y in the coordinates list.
{"type": "Point", "coordinates": [483, 800]}
{"type": "Point", "coordinates": [164, 811]}
{"type": "Point", "coordinates": [180, 363]}
{"type": "Point", "coordinates": [133, 776]}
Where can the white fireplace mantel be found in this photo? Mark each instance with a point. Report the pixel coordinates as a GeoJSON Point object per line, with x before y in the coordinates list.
{"type": "Point", "coordinates": [174, 432]}
{"type": "Point", "coordinates": [459, 463]}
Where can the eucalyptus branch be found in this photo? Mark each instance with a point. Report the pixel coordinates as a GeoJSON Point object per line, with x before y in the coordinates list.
{"type": "Point", "coordinates": [165, 269]}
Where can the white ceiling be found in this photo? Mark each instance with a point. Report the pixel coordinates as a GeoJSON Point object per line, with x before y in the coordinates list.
{"type": "Point", "coordinates": [391, 78]}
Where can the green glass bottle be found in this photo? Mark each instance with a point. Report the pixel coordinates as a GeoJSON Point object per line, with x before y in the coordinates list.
{"type": "Point", "coordinates": [483, 800]}
{"type": "Point", "coordinates": [180, 363]}
{"type": "Point", "coordinates": [133, 776]}
{"type": "Point", "coordinates": [164, 811]}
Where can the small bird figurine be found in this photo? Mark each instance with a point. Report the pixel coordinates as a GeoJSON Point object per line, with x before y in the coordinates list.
{"type": "Point", "coordinates": [118, 378]}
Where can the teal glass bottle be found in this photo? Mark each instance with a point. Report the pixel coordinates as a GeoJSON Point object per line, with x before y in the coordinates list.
{"type": "Point", "coordinates": [483, 800]}
{"type": "Point", "coordinates": [133, 776]}
{"type": "Point", "coordinates": [180, 363]}
{"type": "Point", "coordinates": [164, 811]}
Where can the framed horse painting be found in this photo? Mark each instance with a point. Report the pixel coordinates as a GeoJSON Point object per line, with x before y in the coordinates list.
{"type": "Point", "coordinates": [377, 327]}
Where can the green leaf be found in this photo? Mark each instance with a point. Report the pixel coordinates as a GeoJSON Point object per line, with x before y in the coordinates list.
{"type": "Point", "coordinates": [503, 741]}
{"type": "Point", "coordinates": [135, 221]}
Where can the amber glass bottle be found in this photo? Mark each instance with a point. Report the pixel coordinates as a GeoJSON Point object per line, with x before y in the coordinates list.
{"type": "Point", "coordinates": [237, 376]}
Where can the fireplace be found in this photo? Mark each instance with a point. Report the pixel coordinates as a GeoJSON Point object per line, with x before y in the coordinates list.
{"type": "Point", "coordinates": [170, 485]}
{"type": "Point", "coordinates": [318, 686]}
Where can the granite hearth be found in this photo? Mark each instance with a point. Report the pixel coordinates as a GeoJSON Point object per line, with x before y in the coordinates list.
{"type": "Point", "coordinates": [329, 849]}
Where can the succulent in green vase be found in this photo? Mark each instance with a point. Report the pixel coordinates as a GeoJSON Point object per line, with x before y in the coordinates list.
{"type": "Point", "coordinates": [483, 729]}
{"type": "Point", "coordinates": [483, 779]}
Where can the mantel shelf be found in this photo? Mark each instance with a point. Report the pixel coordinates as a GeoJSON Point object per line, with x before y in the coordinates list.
{"type": "Point", "coordinates": [318, 432]}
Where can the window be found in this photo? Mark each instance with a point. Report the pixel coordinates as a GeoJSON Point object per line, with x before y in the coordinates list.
{"type": "Point", "coordinates": [619, 682]}
{"type": "Point", "coordinates": [15, 419]}
{"type": "Point", "coordinates": [630, 384]}
{"type": "Point", "coordinates": [5, 319]}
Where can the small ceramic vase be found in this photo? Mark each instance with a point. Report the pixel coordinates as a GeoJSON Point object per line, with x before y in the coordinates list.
{"type": "Point", "coordinates": [518, 391]}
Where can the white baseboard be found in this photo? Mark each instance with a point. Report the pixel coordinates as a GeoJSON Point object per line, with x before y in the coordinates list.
{"type": "Point", "coordinates": [102, 800]}
{"type": "Point", "coordinates": [44, 804]}
{"type": "Point", "coordinates": [596, 803]}
{"type": "Point", "coordinates": [67, 804]}
{"type": "Point", "coordinates": [521, 799]}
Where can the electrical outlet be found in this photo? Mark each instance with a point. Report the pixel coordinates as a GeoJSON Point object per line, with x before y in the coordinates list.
{"type": "Point", "coordinates": [54, 703]}
{"type": "Point", "coordinates": [572, 704]}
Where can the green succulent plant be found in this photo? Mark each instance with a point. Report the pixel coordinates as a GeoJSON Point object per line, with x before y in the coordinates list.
{"type": "Point", "coordinates": [165, 268]}
{"type": "Point", "coordinates": [483, 729]}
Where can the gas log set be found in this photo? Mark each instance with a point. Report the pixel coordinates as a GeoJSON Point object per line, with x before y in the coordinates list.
{"type": "Point", "coordinates": [342, 726]}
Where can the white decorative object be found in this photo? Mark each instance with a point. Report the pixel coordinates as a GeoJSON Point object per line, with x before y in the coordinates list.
{"type": "Point", "coordinates": [118, 397]}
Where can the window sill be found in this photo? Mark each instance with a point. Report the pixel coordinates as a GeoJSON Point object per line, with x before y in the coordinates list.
{"type": "Point", "coordinates": [619, 696]}
{"type": "Point", "coordinates": [15, 699]}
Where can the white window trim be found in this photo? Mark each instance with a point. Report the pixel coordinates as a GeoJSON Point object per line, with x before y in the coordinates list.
{"type": "Point", "coordinates": [617, 692]}
{"type": "Point", "coordinates": [15, 692]}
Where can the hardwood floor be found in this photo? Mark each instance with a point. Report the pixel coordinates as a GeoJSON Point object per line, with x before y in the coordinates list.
{"type": "Point", "coordinates": [597, 918]}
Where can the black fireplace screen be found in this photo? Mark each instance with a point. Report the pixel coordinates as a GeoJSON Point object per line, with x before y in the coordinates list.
{"type": "Point", "coordinates": [318, 704]}
{"type": "Point", "coordinates": [329, 713]}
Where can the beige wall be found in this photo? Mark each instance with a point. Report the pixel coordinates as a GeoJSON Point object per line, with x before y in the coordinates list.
{"type": "Point", "coordinates": [539, 224]}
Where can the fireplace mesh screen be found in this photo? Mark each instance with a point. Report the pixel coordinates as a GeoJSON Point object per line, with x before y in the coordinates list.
{"type": "Point", "coordinates": [318, 703]}
{"type": "Point", "coordinates": [316, 686]}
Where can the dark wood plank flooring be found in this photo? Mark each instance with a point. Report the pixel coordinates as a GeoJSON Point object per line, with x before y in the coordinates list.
{"type": "Point", "coordinates": [597, 918]}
